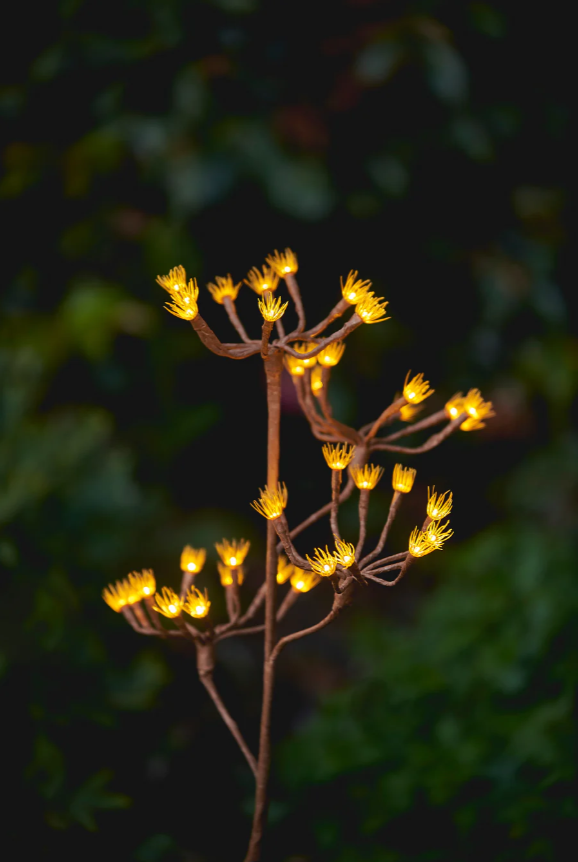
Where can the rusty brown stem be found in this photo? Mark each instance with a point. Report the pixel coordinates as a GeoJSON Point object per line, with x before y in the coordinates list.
{"type": "Point", "coordinates": [287, 603]}
{"type": "Point", "coordinates": [132, 621]}
{"type": "Point", "coordinates": [295, 295]}
{"type": "Point", "coordinates": [258, 600]}
{"type": "Point", "coordinates": [335, 312]}
{"type": "Point", "coordinates": [324, 510]}
{"type": "Point", "coordinates": [231, 310]}
{"type": "Point", "coordinates": [336, 477]}
{"type": "Point", "coordinates": [345, 330]}
{"type": "Point", "coordinates": [394, 505]}
{"type": "Point", "coordinates": [267, 329]}
{"type": "Point", "coordinates": [232, 633]}
{"type": "Point", "coordinates": [282, 529]}
{"type": "Point", "coordinates": [387, 413]}
{"type": "Point", "coordinates": [430, 443]}
{"type": "Point", "coordinates": [363, 509]}
{"type": "Point", "coordinates": [154, 617]}
{"type": "Point", "coordinates": [324, 393]}
{"type": "Point", "coordinates": [434, 419]}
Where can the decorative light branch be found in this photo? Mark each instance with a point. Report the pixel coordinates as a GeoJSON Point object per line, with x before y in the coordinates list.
{"type": "Point", "coordinates": [309, 361]}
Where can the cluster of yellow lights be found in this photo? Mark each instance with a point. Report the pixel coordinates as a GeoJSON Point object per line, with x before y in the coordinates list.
{"type": "Point", "coordinates": [366, 477]}
{"type": "Point", "coordinates": [271, 501]}
{"type": "Point", "coordinates": [183, 294]}
{"type": "Point", "coordinates": [303, 581]}
{"type": "Point", "coordinates": [323, 562]}
{"type": "Point", "coordinates": [408, 412]}
{"type": "Point", "coordinates": [133, 589]}
{"type": "Point", "coordinates": [455, 406]}
{"type": "Point", "coordinates": [143, 582]}
{"type": "Point", "coordinates": [262, 281]}
{"type": "Point", "coordinates": [168, 603]}
{"type": "Point", "coordinates": [283, 263]}
{"type": "Point", "coordinates": [294, 366]}
{"type": "Point", "coordinates": [285, 569]}
{"type": "Point", "coordinates": [424, 542]}
{"type": "Point", "coordinates": [193, 559]}
{"type": "Point", "coordinates": [354, 289]}
{"type": "Point", "coordinates": [233, 552]}
{"type": "Point", "coordinates": [317, 380]}
{"type": "Point", "coordinates": [225, 286]}
{"type": "Point", "coordinates": [344, 553]}
{"type": "Point", "coordinates": [339, 455]}
{"type": "Point", "coordinates": [477, 410]}
{"type": "Point", "coordinates": [438, 505]}
{"type": "Point", "coordinates": [437, 534]}
{"type": "Point", "coordinates": [403, 478]}
{"type": "Point", "coordinates": [306, 347]}
{"type": "Point", "coordinates": [331, 354]}
{"type": "Point", "coordinates": [196, 603]}
{"type": "Point", "coordinates": [417, 389]}
{"type": "Point", "coordinates": [371, 309]}
{"type": "Point", "coordinates": [226, 574]}
{"type": "Point", "coordinates": [272, 309]}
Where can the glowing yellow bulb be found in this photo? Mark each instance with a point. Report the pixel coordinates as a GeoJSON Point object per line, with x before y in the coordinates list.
{"type": "Point", "coordinates": [323, 562]}
{"type": "Point", "coordinates": [417, 389]}
{"type": "Point", "coordinates": [196, 603]}
{"type": "Point", "coordinates": [371, 309]}
{"type": "Point", "coordinates": [436, 534]}
{"type": "Point", "coordinates": [224, 287]}
{"type": "Point", "coordinates": [271, 501]}
{"type": "Point", "coordinates": [317, 380]}
{"type": "Point", "coordinates": [366, 477]}
{"type": "Point", "coordinates": [294, 366]}
{"type": "Point", "coordinates": [183, 294]}
{"type": "Point", "coordinates": [305, 347]}
{"type": "Point", "coordinates": [354, 289]}
{"type": "Point", "coordinates": [193, 559]}
{"type": "Point", "coordinates": [285, 569]}
{"type": "Point", "coordinates": [455, 406]}
{"type": "Point", "coordinates": [283, 263]}
{"type": "Point", "coordinates": [303, 581]}
{"type": "Point", "coordinates": [477, 410]}
{"type": "Point", "coordinates": [262, 281]}
{"type": "Point", "coordinates": [331, 354]}
{"type": "Point", "coordinates": [168, 603]}
{"type": "Point", "coordinates": [439, 505]}
{"type": "Point", "coordinates": [233, 552]}
{"type": "Point", "coordinates": [344, 553]}
{"type": "Point", "coordinates": [272, 309]}
{"type": "Point", "coordinates": [403, 478]}
{"type": "Point", "coordinates": [338, 456]}
{"type": "Point", "coordinates": [139, 585]}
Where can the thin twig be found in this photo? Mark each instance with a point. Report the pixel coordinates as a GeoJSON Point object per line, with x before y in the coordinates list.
{"type": "Point", "coordinates": [229, 305]}
{"type": "Point", "coordinates": [394, 505]}
{"type": "Point", "coordinates": [430, 443]}
{"type": "Point", "coordinates": [363, 509]}
{"type": "Point", "coordinates": [336, 477]}
{"type": "Point", "coordinates": [295, 295]}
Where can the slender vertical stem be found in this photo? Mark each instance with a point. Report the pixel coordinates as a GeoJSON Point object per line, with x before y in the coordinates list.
{"type": "Point", "coordinates": [336, 476]}
{"type": "Point", "coordinates": [295, 295]}
{"type": "Point", "coordinates": [396, 500]}
{"type": "Point", "coordinates": [363, 507]}
{"type": "Point", "coordinates": [273, 368]}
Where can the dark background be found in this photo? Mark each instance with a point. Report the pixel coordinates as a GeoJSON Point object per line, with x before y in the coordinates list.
{"type": "Point", "coordinates": [425, 144]}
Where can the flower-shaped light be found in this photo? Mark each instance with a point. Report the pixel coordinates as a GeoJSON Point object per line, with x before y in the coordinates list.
{"type": "Point", "coordinates": [272, 309]}
{"type": "Point", "coordinates": [323, 562]}
{"type": "Point", "coordinates": [196, 603]}
{"type": "Point", "coordinates": [283, 263]}
{"type": "Point", "coordinates": [331, 354]}
{"type": "Point", "coordinates": [455, 406]}
{"type": "Point", "coordinates": [436, 534]}
{"type": "Point", "coordinates": [233, 552]}
{"type": "Point", "coordinates": [143, 582]}
{"type": "Point", "coordinates": [371, 309]}
{"type": "Point", "coordinates": [477, 410]}
{"type": "Point", "coordinates": [176, 281]}
{"type": "Point", "coordinates": [184, 297]}
{"type": "Point", "coordinates": [303, 581]}
{"type": "Point", "coordinates": [354, 289]}
{"type": "Point", "coordinates": [168, 603]}
{"type": "Point", "coordinates": [418, 545]}
{"type": "Point", "coordinates": [271, 501]}
{"type": "Point", "coordinates": [408, 412]}
{"type": "Point", "coordinates": [366, 477]}
{"type": "Point", "coordinates": [305, 347]}
{"type": "Point", "coordinates": [417, 389]}
{"type": "Point", "coordinates": [226, 575]}
{"type": "Point", "coordinates": [225, 286]}
{"type": "Point", "coordinates": [317, 380]}
{"type": "Point", "coordinates": [344, 553]}
{"type": "Point", "coordinates": [193, 559]}
{"type": "Point", "coordinates": [339, 455]}
{"type": "Point", "coordinates": [294, 366]}
{"type": "Point", "coordinates": [262, 281]}
{"type": "Point", "coordinates": [403, 478]}
{"type": "Point", "coordinates": [285, 569]}
{"type": "Point", "coordinates": [438, 505]}
{"type": "Point", "coordinates": [115, 595]}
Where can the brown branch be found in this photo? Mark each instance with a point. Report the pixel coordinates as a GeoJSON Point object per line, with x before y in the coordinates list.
{"type": "Point", "coordinates": [267, 329]}
{"type": "Point", "coordinates": [229, 305]}
{"type": "Point", "coordinates": [295, 295]}
{"type": "Point", "coordinates": [394, 505]}
{"type": "Point", "coordinates": [282, 529]}
{"type": "Point", "coordinates": [347, 328]}
{"type": "Point", "coordinates": [336, 477]}
{"type": "Point", "coordinates": [129, 616]}
{"type": "Point", "coordinates": [324, 510]}
{"type": "Point", "coordinates": [335, 312]}
{"type": "Point", "coordinates": [287, 603]}
{"type": "Point", "coordinates": [363, 509]}
{"type": "Point", "coordinates": [377, 563]}
{"type": "Point", "coordinates": [380, 580]}
{"type": "Point", "coordinates": [393, 408]}
{"type": "Point", "coordinates": [434, 419]}
{"type": "Point", "coordinates": [258, 600]}
{"type": "Point", "coordinates": [232, 633]}
{"type": "Point", "coordinates": [430, 443]}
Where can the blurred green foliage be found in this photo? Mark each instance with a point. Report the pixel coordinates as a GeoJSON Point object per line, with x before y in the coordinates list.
{"type": "Point", "coordinates": [423, 143]}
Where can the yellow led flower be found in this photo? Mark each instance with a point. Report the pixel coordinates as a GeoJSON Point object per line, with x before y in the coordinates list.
{"type": "Point", "coordinates": [323, 562]}
{"type": "Point", "coordinates": [354, 289]}
{"type": "Point", "coordinates": [294, 366]}
{"type": "Point", "coordinates": [438, 505]}
{"type": "Point", "coordinates": [260, 282]}
{"type": "Point", "coordinates": [196, 603]}
{"type": "Point", "coordinates": [408, 412]}
{"type": "Point", "coordinates": [331, 354]}
{"type": "Point", "coordinates": [317, 380]}
{"type": "Point", "coordinates": [193, 560]}
{"type": "Point", "coordinates": [176, 282]}
{"type": "Point", "coordinates": [224, 287]}
{"type": "Point", "coordinates": [168, 603]}
{"type": "Point", "coordinates": [366, 477]}
{"type": "Point", "coordinates": [455, 406]}
{"type": "Point", "coordinates": [417, 389]}
{"type": "Point", "coordinates": [344, 553]}
{"type": "Point", "coordinates": [477, 410]}
{"type": "Point", "coordinates": [305, 347]}
{"type": "Point", "coordinates": [371, 309]}
{"type": "Point", "coordinates": [226, 575]}
{"type": "Point", "coordinates": [436, 534]}
{"type": "Point", "coordinates": [115, 596]}
{"type": "Point", "coordinates": [272, 309]}
{"type": "Point", "coordinates": [303, 581]}
{"type": "Point", "coordinates": [419, 545]}
{"type": "Point", "coordinates": [271, 502]}
{"type": "Point", "coordinates": [233, 552]}
{"type": "Point", "coordinates": [285, 569]}
{"type": "Point", "coordinates": [184, 300]}
{"type": "Point", "coordinates": [403, 478]}
{"type": "Point", "coordinates": [284, 263]}
{"type": "Point", "coordinates": [338, 456]}
{"type": "Point", "coordinates": [143, 582]}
